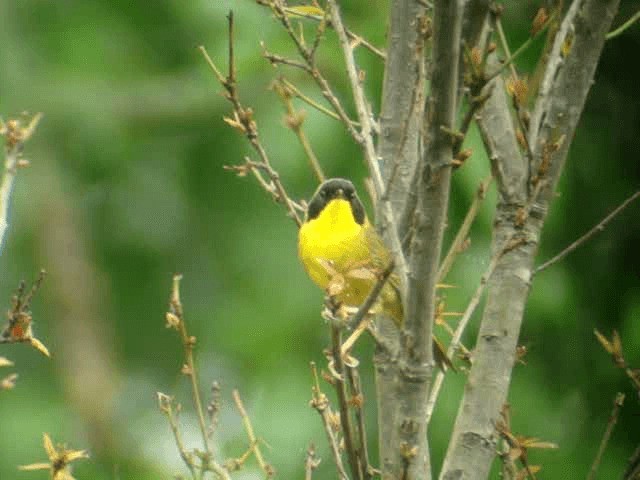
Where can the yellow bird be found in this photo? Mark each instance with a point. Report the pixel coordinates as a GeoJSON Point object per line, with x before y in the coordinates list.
{"type": "Point", "coordinates": [342, 252]}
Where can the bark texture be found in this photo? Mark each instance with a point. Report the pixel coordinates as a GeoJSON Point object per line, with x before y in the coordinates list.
{"type": "Point", "coordinates": [404, 370]}
{"type": "Point", "coordinates": [398, 149]}
{"type": "Point", "coordinates": [525, 193]}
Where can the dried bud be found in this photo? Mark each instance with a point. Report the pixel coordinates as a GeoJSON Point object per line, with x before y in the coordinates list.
{"type": "Point", "coordinates": [463, 155]}
{"type": "Point", "coordinates": [295, 120]}
{"type": "Point", "coordinates": [5, 362]}
{"type": "Point", "coordinates": [476, 56]}
{"type": "Point", "coordinates": [235, 123]}
{"type": "Point", "coordinates": [164, 402]}
{"type": "Point", "coordinates": [521, 352]}
{"type": "Point", "coordinates": [566, 45]}
{"type": "Point", "coordinates": [539, 20]}
{"type": "Point", "coordinates": [407, 452]}
{"type": "Point", "coordinates": [521, 217]}
{"type": "Point", "coordinates": [9, 382]}
{"type": "Point", "coordinates": [464, 245]}
{"type": "Point", "coordinates": [334, 421]}
{"type": "Point", "coordinates": [521, 140]}
{"type": "Point", "coordinates": [357, 401]}
{"type": "Point", "coordinates": [172, 320]}
{"type": "Point", "coordinates": [518, 88]}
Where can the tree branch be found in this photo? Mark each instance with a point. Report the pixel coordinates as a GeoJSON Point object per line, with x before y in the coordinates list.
{"type": "Point", "coordinates": [409, 455]}
{"type": "Point", "coordinates": [401, 117]}
{"type": "Point", "coordinates": [564, 88]}
{"type": "Point", "coordinates": [15, 134]}
{"type": "Point", "coordinates": [622, 28]}
{"type": "Point", "coordinates": [457, 335]}
{"type": "Point", "coordinates": [343, 402]}
{"type": "Point", "coordinates": [584, 238]}
{"type": "Point", "coordinates": [433, 181]}
{"type": "Point", "coordinates": [320, 403]}
{"type": "Point", "coordinates": [461, 236]}
{"type": "Point", "coordinates": [403, 101]}
{"type": "Point", "coordinates": [253, 440]}
{"type": "Point", "coordinates": [243, 122]}
{"type": "Point", "coordinates": [613, 419]}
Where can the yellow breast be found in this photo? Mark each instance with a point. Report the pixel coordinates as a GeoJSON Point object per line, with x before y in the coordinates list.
{"type": "Point", "coordinates": [334, 239]}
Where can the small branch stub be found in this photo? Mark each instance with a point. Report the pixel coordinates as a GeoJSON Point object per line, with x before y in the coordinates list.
{"type": "Point", "coordinates": [19, 326]}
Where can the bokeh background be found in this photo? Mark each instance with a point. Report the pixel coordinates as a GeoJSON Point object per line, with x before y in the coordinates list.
{"type": "Point", "coordinates": [127, 187]}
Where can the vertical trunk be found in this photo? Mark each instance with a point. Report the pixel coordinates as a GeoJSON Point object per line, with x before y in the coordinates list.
{"type": "Point", "coordinates": [404, 369]}
{"type": "Point", "coordinates": [400, 122]}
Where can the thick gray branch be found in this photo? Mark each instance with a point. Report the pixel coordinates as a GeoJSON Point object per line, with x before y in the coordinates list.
{"type": "Point", "coordinates": [567, 80]}
{"type": "Point", "coordinates": [563, 92]}
{"type": "Point", "coordinates": [398, 149]}
{"type": "Point", "coordinates": [402, 100]}
{"type": "Point", "coordinates": [434, 180]}
{"type": "Point", "coordinates": [508, 165]}
{"type": "Point", "coordinates": [410, 459]}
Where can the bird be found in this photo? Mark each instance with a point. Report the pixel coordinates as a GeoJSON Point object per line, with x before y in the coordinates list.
{"type": "Point", "coordinates": [343, 254]}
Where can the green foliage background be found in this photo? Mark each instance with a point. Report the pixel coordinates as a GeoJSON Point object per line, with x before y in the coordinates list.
{"type": "Point", "coordinates": [126, 187]}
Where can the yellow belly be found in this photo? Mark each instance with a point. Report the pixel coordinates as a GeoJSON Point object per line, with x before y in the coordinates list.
{"type": "Point", "coordinates": [323, 256]}
{"type": "Point", "coordinates": [333, 244]}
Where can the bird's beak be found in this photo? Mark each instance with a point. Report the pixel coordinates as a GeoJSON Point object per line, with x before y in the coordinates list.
{"type": "Point", "coordinates": [340, 193]}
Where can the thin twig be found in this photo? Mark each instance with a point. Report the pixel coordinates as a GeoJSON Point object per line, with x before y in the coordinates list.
{"type": "Point", "coordinates": [322, 26]}
{"type": "Point", "coordinates": [633, 466]}
{"type": "Point", "coordinates": [514, 74]}
{"type": "Point", "coordinates": [320, 403]}
{"type": "Point", "coordinates": [624, 26]}
{"type": "Point", "coordinates": [243, 121]}
{"type": "Point", "coordinates": [311, 102]}
{"type": "Point", "coordinates": [294, 121]}
{"type": "Point", "coordinates": [276, 60]}
{"type": "Point", "coordinates": [19, 329]}
{"type": "Point", "coordinates": [525, 45]}
{"type": "Point", "coordinates": [476, 102]}
{"type": "Point", "coordinates": [165, 403]}
{"type": "Point", "coordinates": [505, 44]}
{"type": "Point", "coordinates": [463, 231]}
{"type": "Point", "coordinates": [339, 384]}
{"type": "Point", "coordinates": [253, 441]}
{"type": "Point", "coordinates": [15, 135]}
{"type": "Point", "coordinates": [598, 228]}
{"type": "Point", "coordinates": [358, 401]}
{"type": "Point", "coordinates": [614, 348]}
{"type": "Point", "coordinates": [357, 39]}
{"type": "Point", "coordinates": [311, 462]}
{"type": "Point", "coordinates": [613, 419]}
{"type": "Point", "coordinates": [213, 408]}
{"type": "Point", "coordinates": [321, 81]}
{"type": "Point", "coordinates": [175, 319]}
{"type": "Point", "coordinates": [359, 317]}
{"type": "Point", "coordinates": [460, 328]}
{"type": "Point", "coordinates": [362, 106]}
{"type": "Point", "coordinates": [188, 342]}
